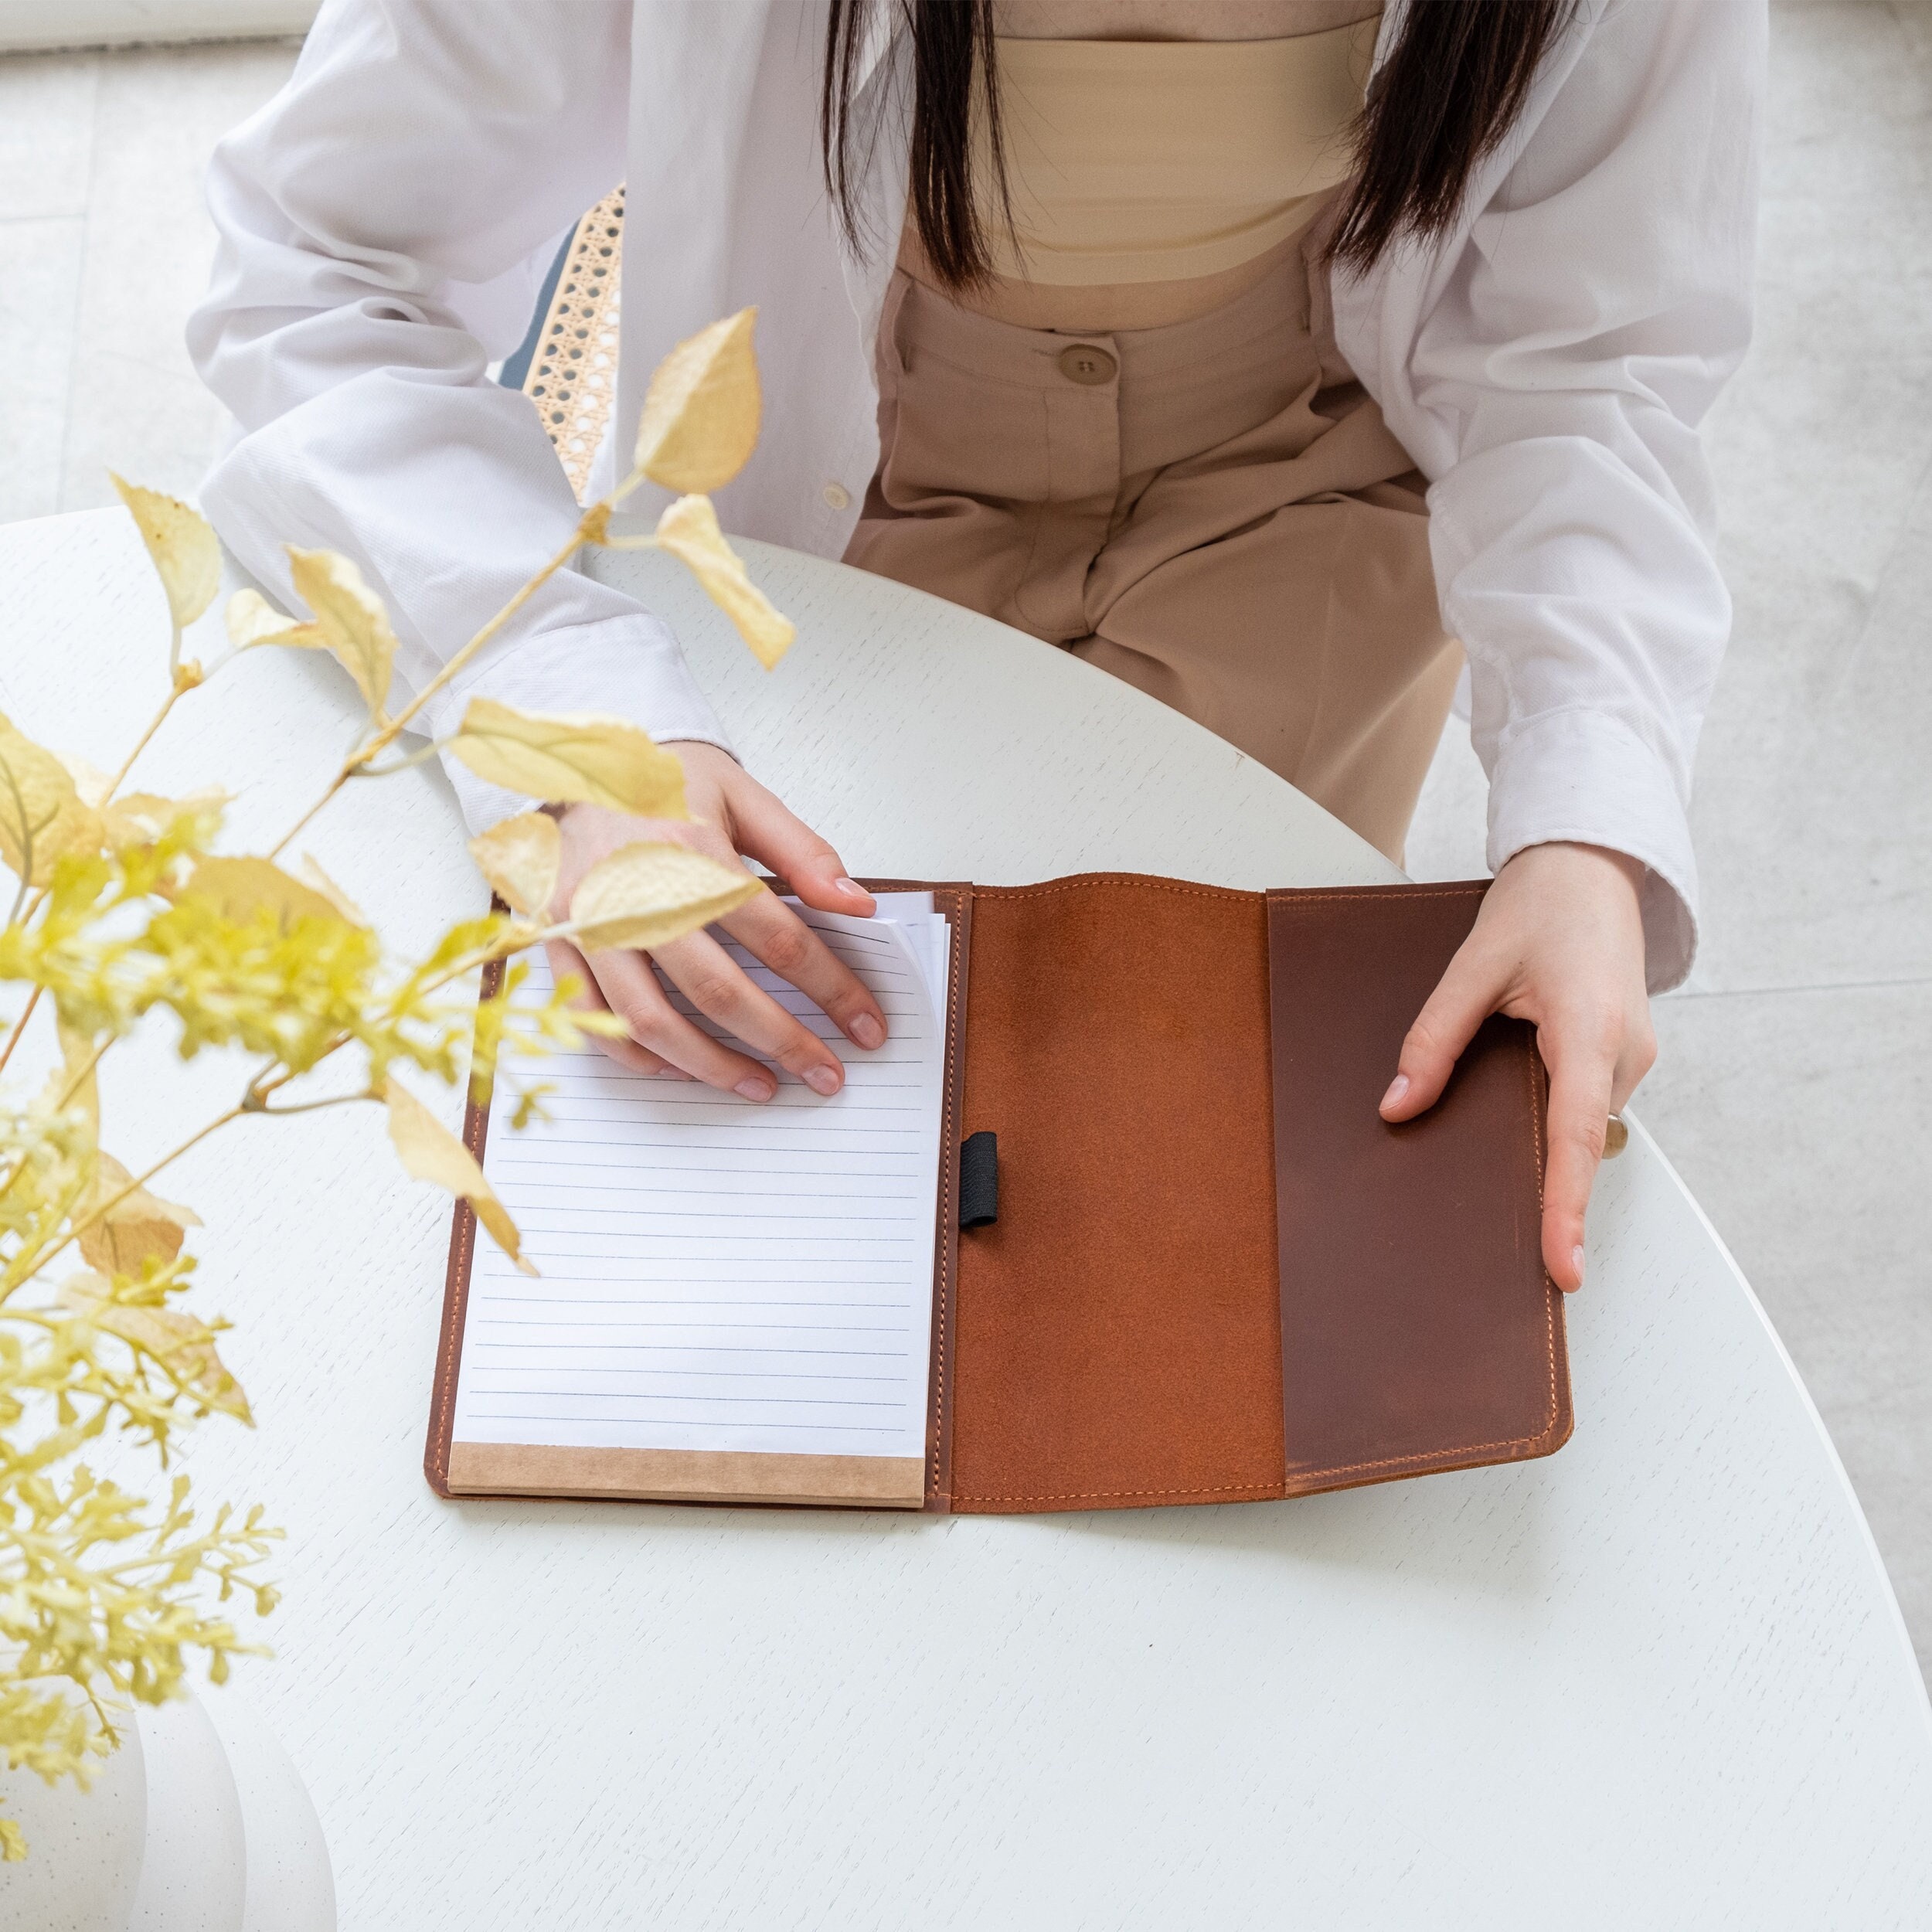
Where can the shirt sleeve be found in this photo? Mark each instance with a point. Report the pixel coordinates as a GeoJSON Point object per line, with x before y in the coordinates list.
{"type": "Point", "coordinates": [383, 228]}
{"type": "Point", "coordinates": [1602, 300]}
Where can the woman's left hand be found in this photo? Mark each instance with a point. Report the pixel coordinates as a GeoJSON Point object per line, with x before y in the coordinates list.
{"type": "Point", "coordinates": [1559, 942]}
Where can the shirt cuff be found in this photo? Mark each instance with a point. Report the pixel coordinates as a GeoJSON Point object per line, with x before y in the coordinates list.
{"type": "Point", "coordinates": [628, 667]}
{"type": "Point", "coordinates": [1580, 777]}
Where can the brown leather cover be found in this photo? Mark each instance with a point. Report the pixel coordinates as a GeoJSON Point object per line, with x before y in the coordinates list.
{"type": "Point", "coordinates": [1119, 1325]}
{"type": "Point", "coordinates": [1166, 1066]}
{"type": "Point", "coordinates": [1217, 1275]}
{"type": "Point", "coordinates": [1418, 1331]}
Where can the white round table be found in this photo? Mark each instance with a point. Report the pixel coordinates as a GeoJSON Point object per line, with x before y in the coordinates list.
{"type": "Point", "coordinates": [1657, 1681]}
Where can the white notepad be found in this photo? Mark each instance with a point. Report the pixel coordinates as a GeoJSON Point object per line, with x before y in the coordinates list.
{"type": "Point", "coordinates": [719, 1277]}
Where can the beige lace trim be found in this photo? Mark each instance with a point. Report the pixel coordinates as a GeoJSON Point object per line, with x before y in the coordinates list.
{"type": "Point", "coordinates": [572, 376]}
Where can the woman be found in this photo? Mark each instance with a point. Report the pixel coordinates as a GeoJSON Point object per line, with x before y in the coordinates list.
{"type": "Point", "coordinates": [1105, 387]}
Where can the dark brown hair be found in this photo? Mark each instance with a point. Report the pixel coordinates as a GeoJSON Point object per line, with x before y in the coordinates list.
{"type": "Point", "coordinates": [1448, 93]}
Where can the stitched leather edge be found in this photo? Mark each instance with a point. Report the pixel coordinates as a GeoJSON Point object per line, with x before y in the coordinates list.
{"type": "Point", "coordinates": [940, 1421]}
{"type": "Point", "coordinates": [1269, 1492]}
{"type": "Point", "coordinates": [1082, 882]}
{"type": "Point", "coordinates": [1300, 895]}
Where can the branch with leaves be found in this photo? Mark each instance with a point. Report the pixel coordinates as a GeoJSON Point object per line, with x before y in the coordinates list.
{"type": "Point", "coordinates": [123, 911]}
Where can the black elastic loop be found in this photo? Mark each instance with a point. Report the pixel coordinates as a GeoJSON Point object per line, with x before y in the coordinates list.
{"type": "Point", "coordinates": [979, 1180]}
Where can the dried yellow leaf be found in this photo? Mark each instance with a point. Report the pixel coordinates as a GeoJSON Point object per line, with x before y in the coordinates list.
{"type": "Point", "coordinates": [239, 887]}
{"type": "Point", "coordinates": [519, 858]}
{"type": "Point", "coordinates": [567, 758]}
{"type": "Point", "coordinates": [430, 1152]}
{"type": "Point", "coordinates": [648, 894]}
{"type": "Point", "coordinates": [252, 620]}
{"type": "Point", "coordinates": [140, 817]}
{"type": "Point", "coordinates": [42, 816]}
{"type": "Point", "coordinates": [349, 618]}
{"type": "Point", "coordinates": [89, 781]}
{"type": "Point", "coordinates": [700, 420]}
{"type": "Point", "coordinates": [186, 553]}
{"type": "Point", "coordinates": [688, 529]}
{"type": "Point", "coordinates": [138, 1226]}
{"type": "Point", "coordinates": [184, 1347]}
{"type": "Point", "coordinates": [346, 908]}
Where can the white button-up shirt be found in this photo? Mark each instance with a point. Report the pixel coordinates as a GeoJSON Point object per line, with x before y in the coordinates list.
{"type": "Point", "coordinates": [386, 221]}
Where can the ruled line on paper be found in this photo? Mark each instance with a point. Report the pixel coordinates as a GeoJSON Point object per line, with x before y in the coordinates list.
{"type": "Point", "coordinates": [657, 1210]}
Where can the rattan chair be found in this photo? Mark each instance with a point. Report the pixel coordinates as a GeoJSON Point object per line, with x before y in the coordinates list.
{"type": "Point", "coordinates": [567, 364]}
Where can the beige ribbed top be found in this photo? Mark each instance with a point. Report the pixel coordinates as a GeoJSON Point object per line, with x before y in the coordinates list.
{"type": "Point", "coordinates": [1150, 160]}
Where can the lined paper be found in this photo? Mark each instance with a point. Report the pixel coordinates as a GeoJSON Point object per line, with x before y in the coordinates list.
{"type": "Point", "coordinates": [716, 1274]}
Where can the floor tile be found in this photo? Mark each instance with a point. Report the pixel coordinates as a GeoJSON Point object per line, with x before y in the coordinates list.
{"type": "Point", "coordinates": [1813, 814]}
{"type": "Point", "coordinates": [1802, 1122]}
{"type": "Point", "coordinates": [1812, 801]}
{"type": "Point", "coordinates": [1835, 63]}
{"type": "Point", "coordinates": [46, 132]}
{"type": "Point", "coordinates": [1451, 824]}
{"type": "Point", "coordinates": [1914, 18]}
{"type": "Point", "coordinates": [137, 406]}
{"type": "Point", "coordinates": [39, 288]}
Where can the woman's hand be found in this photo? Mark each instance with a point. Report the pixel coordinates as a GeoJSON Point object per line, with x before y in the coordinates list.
{"type": "Point", "coordinates": [1559, 942]}
{"type": "Point", "coordinates": [731, 813]}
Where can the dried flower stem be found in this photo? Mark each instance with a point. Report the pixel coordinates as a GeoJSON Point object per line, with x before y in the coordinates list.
{"type": "Point", "coordinates": [312, 1106]}
{"type": "Point", "coordinates": [588, 526]}
{"type": "Point", "coordinates": [251, 962]}
{"type": "Point", "coordinates": [94, 1060]}
{"type": "Point", "coordinates": [421, 757]}
{"type": "Point", "coordinates": [43, 1256]}
{"type": "Point", "coordinates": [19, 1027]}
{"type": "Point", "coordinates": [176, 690]}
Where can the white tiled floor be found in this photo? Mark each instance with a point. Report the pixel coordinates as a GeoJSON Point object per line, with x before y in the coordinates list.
{"type": "Point", "coordinates": [1793, 1090]}
{"type": "Point", "coordinates": [103, 248]}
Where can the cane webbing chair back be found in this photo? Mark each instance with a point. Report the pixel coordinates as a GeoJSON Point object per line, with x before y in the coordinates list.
{"type": "Point", "coordinates": [573, 373]}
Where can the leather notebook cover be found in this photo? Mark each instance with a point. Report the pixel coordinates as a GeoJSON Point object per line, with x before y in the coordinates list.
{"type": "Point", "coordinates": [1217, 1274]}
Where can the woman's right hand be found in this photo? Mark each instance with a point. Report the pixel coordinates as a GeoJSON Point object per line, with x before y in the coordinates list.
{"type": "Point", "coordinates": [731, 813]}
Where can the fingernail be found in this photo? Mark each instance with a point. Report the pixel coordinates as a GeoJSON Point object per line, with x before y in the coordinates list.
{"type": "Point", "coordinates": [852, 886]}
{"type": "Point", "coordinates": [753, 1088]}
{"type": "Point", "coordinates": [821, 1080]}
{"type": "Point", "coordinates": [867, 1031]}
{"type": "Point", "coordinates": [1397, 1087]}
{"type": "Point", "coordinates": [1576, 1262]}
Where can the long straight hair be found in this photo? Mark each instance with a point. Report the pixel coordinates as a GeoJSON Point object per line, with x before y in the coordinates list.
{"type": "Point", "coordinates": [1449, 92]}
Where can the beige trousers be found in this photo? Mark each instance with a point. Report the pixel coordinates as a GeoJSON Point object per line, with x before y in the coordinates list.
{"type": "Point", "coordinates": [1214, 510]}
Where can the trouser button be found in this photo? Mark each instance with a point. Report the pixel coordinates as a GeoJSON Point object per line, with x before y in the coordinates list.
{"type": "Point", "coordinates": [1085, 364]}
